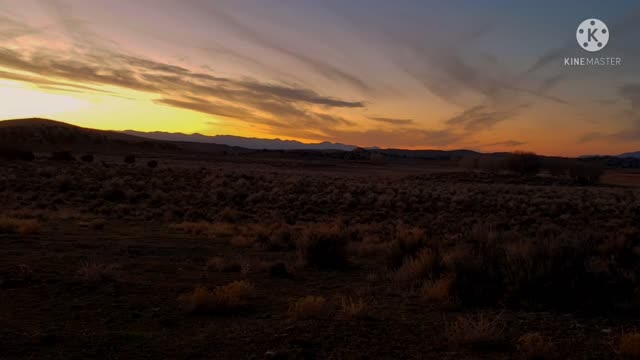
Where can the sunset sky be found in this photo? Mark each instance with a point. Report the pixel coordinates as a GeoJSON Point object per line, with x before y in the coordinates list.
{"type": "Point", "coordinates": [482, 75]}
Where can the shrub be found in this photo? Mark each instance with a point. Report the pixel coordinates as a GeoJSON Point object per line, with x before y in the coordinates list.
{"type": "Point", "coordinates": [242, 241]}
{"type": "Point", "coordinates": [439, 290]}
{"type": "Point", "coordinates": [490, 163]}
{"type": "Point", "coordinates": [113, 194]}
{"type": "Point", "coordinates": [586, 173]}
{"type": "Point", "coordinates": [477, 271]}
{"type": "Point", "coordinates": [95, 272]}
{"type": "Point", "coordinates": [130, 159]}
{"type": "Point", "coordinates": [405, 245]}
{"type": "Point", "coordinates": [534, 346]}
{"type": "Point", "coordinates": [468, 163]}
{"type": "Point", "coordinates": [15, 154]}
{"type": "Point", "coordinates": [97, 224]}
{"type": "Point", "coordinates": [88, 158]}
{"type": "Point", "coordinates": [19, 226]}
{"type": "Point", "coordinates": [323, 247]}
{"type": "Point", "coordinates": [206, 228]}
{"type": "Point", "coordinates": [476, 331]}
{"type": "Point", "coordinates": [523, 163]}
{"type": "Point", "coordinates": [279, 270]}
{"type": "Point", "coordinates": [195, 228]}
{"type": "Point", "coordinates": [218, 263]}
{"type": "Point", "coordinates": [63, 183]}
{"type": "Point", "coordinates": [223, 299]}
{"type": "Point", "coordinates": [274, 238]}
{"type": "Point", "coordinates": [557, 167]}
{"type": "Point", "coordinates": [309, 307]}
{"type": "Point", "coordinates": [353, 309]}
{"type": "Point", "coordinates": [62, 156]}
{"type": "Point", "coordinates": [419, 267]}
{"type": "Point", "coordinates": [152, 164]}
{"type": "Point", "coordinates": [630, 345]}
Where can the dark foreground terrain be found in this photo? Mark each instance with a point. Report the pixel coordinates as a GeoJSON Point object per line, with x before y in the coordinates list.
{"type": "Point", "coordinates": [252, 260]}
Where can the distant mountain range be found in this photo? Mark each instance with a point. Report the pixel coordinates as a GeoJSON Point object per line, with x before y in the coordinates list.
{"type": "Point", "coordinates": [243, 142]}
{"type": "Point", "coordinates": [631, 154]}
{"type": "Point", "coordinates": [47, 135]}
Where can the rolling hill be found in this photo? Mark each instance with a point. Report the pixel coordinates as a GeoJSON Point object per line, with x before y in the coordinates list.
{"type": "Point", "coordinates": [635, 154]}
{"type": "Point", "coordinates": [47, 135]}
{"type": "Point", "coordinates": [243, 142]}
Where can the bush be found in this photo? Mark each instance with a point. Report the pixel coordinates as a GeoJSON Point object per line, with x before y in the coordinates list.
{"type": "Point", "coordinates": [523, 163]}
{"type": "Point", "coordinates": [468, 163]}
{"type": "Point", "coordinates": [309, 307]}
{"type": "Point", "coordinates": [130, 159]}
{"type": "Point", "coordinates": [88, 158]}
{"type": "Point", "coordinates": [476, 331]}
{"type": "Point", "coordinates": [406, 244]}
{"type": "Point", "coordinates": [534, 346]}
{"type": "Point", "coordinates": [354, 309]}
{"type": "Point", "coordinates": [558, 270]}
{"type": "Point", "coordinates": [324, 247]}
{"type": "Point", "coordinates": [439, 290]}
{"type": "Point", "coordinates": [113, 194]}
{"type": "Point", "coordinates": [630, 345]}
{"type": "Point", "coordinates": [419, 267]}
{"type": "Point", "coordinates": [586, 173]}
{"type": "Point", "coordinates": [62, 156]}
{"type": "Point", "coordinates": [94, 272]}
{"type": "Point", "coordinates": [152, 164]}
{"type": "Point", "coordinates": [19, 226]}
{"type": "Point", "coordinates": [223, 299]}
{"type": "Point", "coordinates": [15, 154]}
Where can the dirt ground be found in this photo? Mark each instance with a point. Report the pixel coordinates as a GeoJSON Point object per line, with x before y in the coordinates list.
{"type": "Point", "coordinates": [95, 260]}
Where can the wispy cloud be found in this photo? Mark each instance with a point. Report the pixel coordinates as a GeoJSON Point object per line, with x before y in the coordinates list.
{"type": "Point", "coordinates": [392, 121]}
{"type": "Point", "coordinates": [481, 117]}
{"type": "Point", "coordinates": [399, 138]}
{"type": "Point", "coordinates": [507, 143]}
{"type": "Point", "coordinates": [629, 93]}
{"type": "Point", "coordinates": [327, 69]}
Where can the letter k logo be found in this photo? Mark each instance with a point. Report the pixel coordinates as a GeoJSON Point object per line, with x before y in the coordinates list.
{"type": "Point", "coordinates": [592, 35]}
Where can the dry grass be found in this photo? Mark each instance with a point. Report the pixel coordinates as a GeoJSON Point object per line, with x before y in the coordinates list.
{"type": "Point", "coordinates": [439, 290]}
{"type": "Point", "coordinates": [417, 268]}
{"type": "Point", "coordinates": [25, 272]}
{"type": "Point", "coordinates": [224, 299]}
{"type": "Point", "coordinates": [194, 228]}
{"type": "Point", "coordinates": [242, 241]}
{"type": "Point", "coordinates": [93, 272]}
{"type": "Point", "coordinates": [353, 309]}
{"type": "Point", "coordinates": [220, 264]}
{"type": "Point", "coordinates": [19, 226]}
{"type": "Point", "coordinates": [205, 228]}
{"type": "Point", "coordinates": [310, 307]}
{"type": "Point", "coordinates": [534, 346]}
{"type": "Point", "coordinates": [324, 246]}
{"type": "Point", "coordinates": [476, 331]}
{"type": "Point", "coordinates": [97, 224]}
{"type": "Point", "coordinates": [630, 345]}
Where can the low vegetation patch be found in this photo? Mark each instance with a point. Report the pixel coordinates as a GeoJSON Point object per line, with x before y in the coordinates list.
{"type": "Point", "coordinates": [19, 226]}
{"type": "Point", "coordinates": [223, 299]}
{"type": "Point", "coordinates": [93, 272]}
{"type": "Point", "coordinates": [630, 345]}
{"type": "Point", "coordinates": [534, 346]}
{"type": "Point", "coordinates": [479, 332]}
{"type": "Point", "coordinates": [324, 246]}
{"type": "Point", "coordinates": [351, 309]}
{"type": "Point", "coordinates": [310, 307]}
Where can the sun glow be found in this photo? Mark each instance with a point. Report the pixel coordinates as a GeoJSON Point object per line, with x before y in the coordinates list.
{"type": "Point", "coordinates": [18, 101]}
